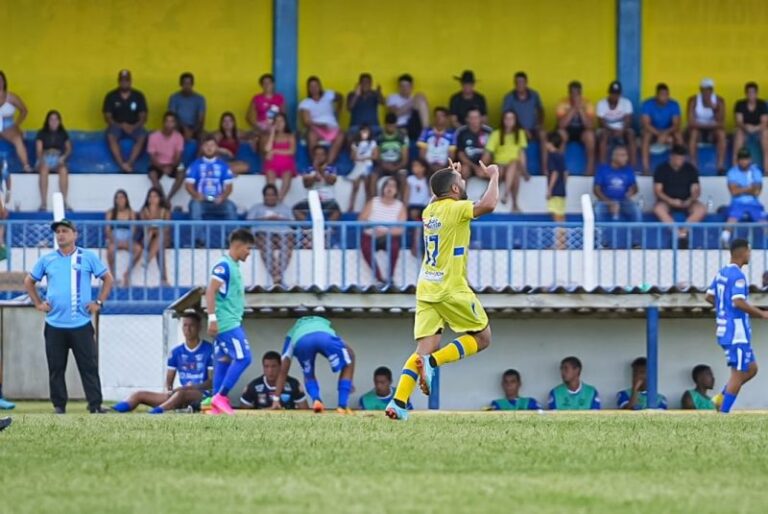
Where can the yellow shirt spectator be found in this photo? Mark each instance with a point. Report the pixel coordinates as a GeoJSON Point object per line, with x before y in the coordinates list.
{"type": "Point", "coordinates": [508, 151]}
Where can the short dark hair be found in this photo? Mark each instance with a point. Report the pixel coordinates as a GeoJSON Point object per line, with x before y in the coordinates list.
{"type": "Point", "coordinates": [474, 108]}
{"type": "Point", "coordinates": [441, 181]}
{"type": "Point", "coordinates": [750, 85]}
{"type": "Point", "coordinates": [679, 150]}
{"type": "Point", "coordinates": [511, 373]}
{"type": "Point", "coordinates": [555, 138]}
{"type": "Point", "coordinates": [268, 187]}
{"type": "Point", "coordinates": [191, 315]}
{"type": "Point", "coordinates": [271, 356]}
{"type": "Point", "coordinates": [242, 235]}
{"type": "Point", "coordinates": [661, 86]}
{"type": "Point", "coordinates": [206, 138]}
{"type": "Point", "coordinates": [365, 75]}
{"type": "Point", "coordinates": [319, 147]}
{"type": "Point", "coordinates": [172, 115]}
{"type": "Point", "coordinates": [640, 362]}
{"type": "Point", "coordinates": [440, 108]}
{"type": "Point", "coordinates": [266, 76]}
{"type": "Point", "coordinates": [405, 77]}
{"type": "Point", "coordinates": [738, 244]}
{"type": "Point", "coordinates": [186, 75]}
{"type": "Point", "coordinates": [698, 370]}
{"type": "Point", "coordinates": [573, 361]}
{"type": "Point", "coordinates": [521, 75]}
{"type": "Point", "coordinates": [383, 371]}
{"type": "Point", "coordinates": [390, 118]}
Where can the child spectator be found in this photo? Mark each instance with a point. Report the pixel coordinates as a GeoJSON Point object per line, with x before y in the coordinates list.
{"type": "Point", "coordinates": [165, 147]}
{"type": "Point", "coordinates": [228, 138]}
{"type": "Point", "coordinates": [364, 153]}
{"type": "Point", "coordinates": [557, 177]}
{"type": "Point", "coordinates": [280, 155]}
{"type": "Point", "coordinates": [393, 153]}
{"type": "Point", "coordinates": [511, 384]}
{"type": "Point", "coordinates": [417, 196]}
{"type": "Point", "coordinates": [53, 147]}
{"type": "Point", "coordinates": [120, 236]}
{"type": "Point", "coordinates": [506, 147]}
{"type": "Point", "coordinates": [156, 237]}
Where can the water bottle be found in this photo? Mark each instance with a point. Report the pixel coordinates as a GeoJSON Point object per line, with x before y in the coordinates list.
{"type": "Point", "coordinates": [710, 205]}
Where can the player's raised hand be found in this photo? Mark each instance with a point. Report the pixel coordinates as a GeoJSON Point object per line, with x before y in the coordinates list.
{"type": "Point", "coordinates": [492, 170]}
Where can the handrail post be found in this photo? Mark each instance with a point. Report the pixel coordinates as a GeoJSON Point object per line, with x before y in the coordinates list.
{"type": "Point", "coordinates": [58, 212]}
{"type": "Point", "coordinates": [319, 254]}
{"type": "Point", "coordinates": [588, 280]}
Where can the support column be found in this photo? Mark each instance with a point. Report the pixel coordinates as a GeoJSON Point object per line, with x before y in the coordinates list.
{"type": "Point", "coordinates": [285, 51]}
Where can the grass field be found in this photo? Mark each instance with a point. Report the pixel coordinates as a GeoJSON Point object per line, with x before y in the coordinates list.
{"type": "Point", "coordinates": [300, 462]}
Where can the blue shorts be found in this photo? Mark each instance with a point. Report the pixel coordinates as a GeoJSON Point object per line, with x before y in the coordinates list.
{"type": "Point", "coordinates": [738, 211]}
{"type": "Point", "coordinates": [232, 344]}
{"type": "Point", "coordinates": [330, 346]}
{"type": "Point", "coordinates": [739, 356]}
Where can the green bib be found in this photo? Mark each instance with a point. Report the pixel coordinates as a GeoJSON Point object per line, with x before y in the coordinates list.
{"type": "Point", "coordinates": [519, 404]}
{"type": "Point", "coordinates": [308, 325]}
{"type": "Point", "coordinates": [372, 401]}
{"type": "Point", "coordinates": [701, 401]}
{"type": "Point", "coordinates": [230, 298]}
{"type": "Point", "coordinates": [567, 400]}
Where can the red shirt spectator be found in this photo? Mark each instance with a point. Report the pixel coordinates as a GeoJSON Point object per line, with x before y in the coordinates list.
{"type": "Point", "coordinates": [265, 105]}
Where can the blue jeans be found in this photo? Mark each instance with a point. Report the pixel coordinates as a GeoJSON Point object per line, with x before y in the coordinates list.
{"type": "Point", "coordinates": [629, 211]}
{"type": "Point", "coordinates": [208, 210]}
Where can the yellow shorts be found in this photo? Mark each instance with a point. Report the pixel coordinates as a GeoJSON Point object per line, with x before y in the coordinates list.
{"type": "Point", "coordinates": [462, 312]}
{"type": "Point", "coordinates": [556, 205]}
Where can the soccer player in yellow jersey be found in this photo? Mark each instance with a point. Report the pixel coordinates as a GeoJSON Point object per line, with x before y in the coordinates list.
{"type": "Point", "coordinates": [443, 295]}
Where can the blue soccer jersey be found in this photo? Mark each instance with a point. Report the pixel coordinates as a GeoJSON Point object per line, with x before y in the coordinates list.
{"type": "Point", "coordinates": [732, 323]}
{"type": "Point", "coordinates": [194, 367]}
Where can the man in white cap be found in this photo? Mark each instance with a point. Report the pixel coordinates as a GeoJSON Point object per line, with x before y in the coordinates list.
{"type": "Point", "coordinates": [706, 122]}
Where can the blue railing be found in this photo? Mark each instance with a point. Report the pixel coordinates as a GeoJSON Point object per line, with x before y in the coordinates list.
{"type": "Point", "coordinates": [174, 256]}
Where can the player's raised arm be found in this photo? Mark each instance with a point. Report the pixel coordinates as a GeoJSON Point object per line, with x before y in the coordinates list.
{"type": "Point", "coordinates": [210, 303]}
{"type": "Point", "coordinates": [487, 203]}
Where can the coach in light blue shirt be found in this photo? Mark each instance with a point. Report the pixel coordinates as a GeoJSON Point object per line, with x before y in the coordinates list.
{"type": "Point", "coordinates": [68, 308]}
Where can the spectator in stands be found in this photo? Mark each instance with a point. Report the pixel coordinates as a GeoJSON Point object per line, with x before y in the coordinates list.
{"type": "Point", "coordinates": [125, 111]}
{"type": "Point", "coordinates": [320, 177]}
{"type": "Point", "coordinates": [192, 360]}
{"type": "Point", "coordinates": [556, 183]}
{"type": "Point", "coordinates": [121, 236]}
{"type": "Point", "coordinates": [677, 190]}
{"type": "Point", "coordinates": [614, 114]}
{"type": "Point", "coordinates": [5, 199]}
{"type": "Point", "coordinates": [436, 142]}
{"type": "Point", "coordinates": [751, 122]}
{"type": "Point", "coordinates": [280, 154]}
{"type": "Point", "coordinates": [156, 237]}
{"type": "Point", "coordinates": [506, 147]}
{"type": "Point", "coordinates": [416, 197]}
{"type": "Point", "coordinates": [393, 152]}
{"type": "Point", "coordinates": [470, 141]}
{"type": "Point", "coordinates": [319, 114]}
{"type": "Point", "coordinates": [660, 117]}
{"type": "Point", "coordinates": [228, 139]}
{"type": "Point", "coordinates": [576, 122]}
{"type": "Point", "coordinates": [412, 109]}
{"type": "Point", "coordinates": [274, 238]}
{"type": "Point", "coordinates": [706, 122]}
{"type": "Point", "coordinates": [636, 398]}
{"type": "Point", "coordinates": [363, 106]}
{"type": "Point", "coordinates": [745, 183]}
{"type": "Point", "coordinates": [364, 152]}
{"type": "Point", "coordinates": [10, 124]}
{"type": "Point", "coordinates": [529, 110]}
{"type": "Point", "coordinates": [258, 393]}
{"type": "Point", "coordinates": [189, 108]}
{"type": "Point", "coordinates": [209, 183]}
{"type": "Point", "coordinates": [511, 384]}
{"type": "Point", "coordinates": [165, 148]}
{"type": "Point", "coordinates": [53, 148]}
{"type": "Point", "coordinates": [265, 106]}
{"type": "Point", "coordinates": [467, 100]}
{"type": "Point", "coordinates": [614, 187]}
{"type": "Point", "coordinates": [573, 394]}
{"type": "Point", "coordinates": [697, 398]}
{"type": "Point", "coordinates": [382, 392]}
{"type": "Point", "coordinates": [385, 208]}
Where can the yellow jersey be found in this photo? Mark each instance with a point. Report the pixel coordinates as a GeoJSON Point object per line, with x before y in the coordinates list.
{"type": "Point", "coordinates": [446, 248]}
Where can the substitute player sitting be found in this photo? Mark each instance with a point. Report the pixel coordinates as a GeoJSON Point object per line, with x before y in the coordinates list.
{"type": "Point", "coordinates": [192, 360]}
{"type": "Point", "coordinates": [309, 336]}
{"type": "Point", "coordinates": [258, 393]}
{"type": "Point", "coordinates": [443, 295]}
{"type": "Point", "coordinates": [729, 293]}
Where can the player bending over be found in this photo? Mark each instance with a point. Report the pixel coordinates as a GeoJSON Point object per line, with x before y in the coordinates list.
{"type": "Point", "coordinates": [225, 299]}
{"type": "Point", "coordinates": [728, 293]}
{"type": "Point", "coordinates": [309, 336]}
{"type": "Point", "coordinates": [443, 295]}
{"type": "Point", "coordinates": [193, 361]}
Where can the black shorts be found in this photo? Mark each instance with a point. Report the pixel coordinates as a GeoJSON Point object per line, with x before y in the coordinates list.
{"type": "Point", "coordinates": [574, 133]}
{"type": "Point", "coordinates": [155, 169]}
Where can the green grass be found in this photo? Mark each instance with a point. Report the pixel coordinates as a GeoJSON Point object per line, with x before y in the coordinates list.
{"type": "Point", "coordinates": [299, 462]}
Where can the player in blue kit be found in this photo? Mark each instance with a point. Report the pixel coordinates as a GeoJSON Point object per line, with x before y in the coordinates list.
{"type": "Point", "coordinates": [309, 336]}
{"type": "Point", "coordinates": [728, 293]}
{"type": "Point", "coordinates": [192, 361]}
{"type": "Point", "coordinates": [225, 300]}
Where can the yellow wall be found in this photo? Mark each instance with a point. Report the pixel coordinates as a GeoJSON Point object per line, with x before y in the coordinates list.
{"type": "Point", "coordinates": [65, 54]}
{"type": "Point", "coordinates": [686, 40]}
{"type": "Point", "coordinates": [554, 41]}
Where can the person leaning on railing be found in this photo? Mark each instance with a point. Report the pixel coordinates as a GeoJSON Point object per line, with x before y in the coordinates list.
{"type": "Point", "coordinates": [385, 208]}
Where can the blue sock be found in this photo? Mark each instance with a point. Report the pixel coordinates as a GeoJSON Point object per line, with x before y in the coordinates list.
{"type": "Point", "coordinates": [345, 387]}
{"type": "Point", "coordinates": [236, 369]}
{"type": "Point", "coordinates": [122, 407]}
{"type": "Point", "coordinates": [728, 400]}
{"type": "Point", "coordinates": [157, 410]}
{"type": "Point", "coordinates": [313, 388]}
{"type": "Point", "coordinates": [219, 372]}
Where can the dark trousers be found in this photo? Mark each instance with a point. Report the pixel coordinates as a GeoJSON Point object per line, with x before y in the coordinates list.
{"type": "Point", "coordinates": [370, 246]}
{"type": "Point", "coordinates": [58, 342]}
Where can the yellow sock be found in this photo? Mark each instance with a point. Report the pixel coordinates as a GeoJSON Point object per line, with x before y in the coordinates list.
{"type": "Point", "coordinates": [407, 380]}
{"type": "Point", "coordinates": [461, 347]}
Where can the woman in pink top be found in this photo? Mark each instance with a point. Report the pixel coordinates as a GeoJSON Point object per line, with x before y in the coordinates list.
{"type": "Point", "coordinates": [266, 105]}
{"type": "Point", "coordinates": [228, 138]}
{"type": "Point", "coordinates": [280, 155]}
{"type": "Point", "coordinates": [385, 208]}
